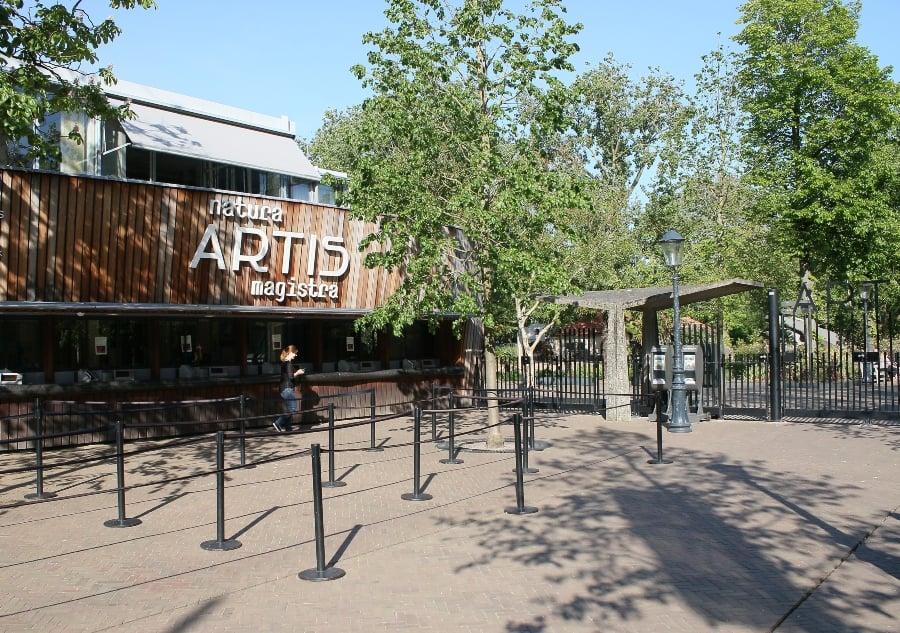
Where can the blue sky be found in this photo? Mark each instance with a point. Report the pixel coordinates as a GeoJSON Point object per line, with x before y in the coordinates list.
{"type": "Point", "coordinates": [292, 57]}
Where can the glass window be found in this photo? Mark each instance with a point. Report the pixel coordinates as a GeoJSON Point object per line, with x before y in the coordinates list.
{"type": "Point", "coordinates": [20, 345]}
{"type": "Point", "coordinates": [138, 163]}
{"type": "Point", "coordinates": [325, 194]}
{"type": "Point", "coordinates": [417, 342]}
{"type": "Point", "coordinates": [218, 338]}
{"type": "Point", "coordinates": [100, 344]}
{"type": "Point", "coordinates": [181, 170]}
{"type": "Point", "coordinates": [301, 191]}
{"type": "Point", "coordinates": [343, 342]}
{"type": "Point", "coordinates": [113, 146]}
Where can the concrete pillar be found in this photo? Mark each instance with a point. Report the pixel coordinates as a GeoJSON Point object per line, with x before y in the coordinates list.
{"type": "Point", "coordinates": [615, 367]}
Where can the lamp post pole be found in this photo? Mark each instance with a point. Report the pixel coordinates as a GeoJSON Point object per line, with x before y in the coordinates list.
{"type": "Point", "coordinates": [865, 288]}
{"type": "Point", "coordinates": [671, 244]}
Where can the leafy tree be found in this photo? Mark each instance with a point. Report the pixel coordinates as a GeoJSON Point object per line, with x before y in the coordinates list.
{"type": "Point", "coordinates": [701, 189]}
{"type": "Point", "coordinates": [621, 128]}
{"type": "Point", "coordinates": [821, 127]}
{"type": "Point", "coordinates": [452, 166]}
{"type": "Point", "coordinates": [43, 50]}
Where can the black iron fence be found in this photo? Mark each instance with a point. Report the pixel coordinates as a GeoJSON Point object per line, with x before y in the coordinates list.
{"type": "Point", "coordinates": [566, 373]}
{"type": "Point", "coordinates": [835, 365]}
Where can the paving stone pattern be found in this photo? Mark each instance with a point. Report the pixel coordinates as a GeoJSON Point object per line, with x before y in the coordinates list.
{"type": "Point", "coordinates": [789, 527]}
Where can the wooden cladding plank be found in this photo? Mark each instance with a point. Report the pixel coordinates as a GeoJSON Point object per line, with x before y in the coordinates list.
{"type": "Point", "coordinates": [19, 228]}
{"type": "Point", "coordinates": [168, 213]}
{"type": "Point", "coordinates": [5, 184]}
{"type": "Point", "coordinates": [46, 263]}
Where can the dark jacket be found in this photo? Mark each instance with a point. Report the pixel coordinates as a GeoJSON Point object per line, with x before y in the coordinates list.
{"type": "Point", "coordinates": [287, 375]}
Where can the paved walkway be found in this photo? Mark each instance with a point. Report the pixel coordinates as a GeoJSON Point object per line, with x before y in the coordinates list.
{"type": "Point", "coordinates": [755, 527]}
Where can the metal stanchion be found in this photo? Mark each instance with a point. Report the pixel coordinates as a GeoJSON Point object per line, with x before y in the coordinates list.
{"type": "Point", "coordinates": [242, 441]}
{"type": "Point", "coordinates": [39, 455]}
{"type": "Point", "coordinates": [417, 494]}
{"type": "Point", "coordinates": [526, 450]}
{"type": "Point", "coordinates": [372, 448]}
{"type": "Point", "coordinates": [520, 507]}
{"type": "Point", "coordinates": [331, 483]}
{"type": "Point", "coordinates": [659, 426]}
{"type": "Point", "coordinates": [121, 522]}
{"type": "Point", "coordinates": [434, 412]}
{"type": "Point", "coordinates": [320, 572]}
{"type": "Point", "coordinates": [451, 447]}
{"type": "Point", "coordinates": [221, 544]}
{"type": "Point", "coordinates": [536, 445]}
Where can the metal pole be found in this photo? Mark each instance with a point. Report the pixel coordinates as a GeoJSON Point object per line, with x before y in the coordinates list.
{"type": "Point", "coordinates": [220, 544]}
{"type": "Point", "coordinates": [680, 422]}
{"type": "Point", "coordinates": [417, 494]}
{"type": "Point", "coordinates": [433, 412]}
{"type": "Point", "coordinates": [867, 368]}
{"type": "Point", "coordinates": [331, 483]}
{"type": "Point", "coordinates": [39, 455]}
{"type": "Point", "coordinates": [659, 441]}
{"type": "Point", "coordinates": [121, 522]}
{"type": "Point", "coordinates": [243, 440]}
{"type": "Point", "coordinates": [774, 357]}
{"type": "Point", "coordinates": [372, 448]}
{"type": "Point", "coordinates": [451, 447]}
{"type": "Point", "coordinates": [520, 507]}
{"type": "Point", "coordinates": [320, 572]}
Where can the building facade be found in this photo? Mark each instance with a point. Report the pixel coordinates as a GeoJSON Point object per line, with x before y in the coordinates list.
{"type": "Point", "coordinates": [189, 244]}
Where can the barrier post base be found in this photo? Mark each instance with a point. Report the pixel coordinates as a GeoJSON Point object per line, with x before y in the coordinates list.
{"type": "Point", "coordinates": [122, 523]}
{"type": "Point", "coordinates": [333, 484]}
{"type": "Point", "coordinates": [410, 496]}
{"type": "Point", "coordinates": [522, 510]}
{"type": "Point", "coordinates": [220, 546]}
{"type": "Point", "coordinates": [329, 573]}
{"type": "Point", "coordinates": [43, 495]}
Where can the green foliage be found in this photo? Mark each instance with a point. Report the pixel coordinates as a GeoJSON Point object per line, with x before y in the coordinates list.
{"type": "Point", "coordinates": [448, 159]}
{"type": "Point", "coordinates": [620, 130]}
{"type": "Point", "coordinates": [820, 139]}
{"type": "Point", "coordinates": [43, 48]}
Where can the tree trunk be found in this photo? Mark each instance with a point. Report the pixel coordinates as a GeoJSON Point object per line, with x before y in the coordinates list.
{"type": "Point", "coordinates": [495, 436]}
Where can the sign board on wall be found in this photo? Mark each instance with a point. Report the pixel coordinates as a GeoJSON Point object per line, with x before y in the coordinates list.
{"type": "Point", "coordinates": [100, 347]}
{"type": "Point", "coordinates": [276, 342]}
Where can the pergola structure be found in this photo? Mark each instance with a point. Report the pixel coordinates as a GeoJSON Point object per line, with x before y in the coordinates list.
{"type": "Point", "coordinates": [649, 301]}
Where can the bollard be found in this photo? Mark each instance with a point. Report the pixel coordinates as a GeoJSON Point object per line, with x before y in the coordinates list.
{"type": "Point", "coordinates": [121, 522]}
{"type": "Point", "coordinates": [659, 434]}
{"type": "Point", "coordinates": [520, 507]}
{"type": "Point", "coordinates": [39, 455]}
{"type": "Point", "coordinates": [372, 448]}
{"type": "Point", "coordinates": [434, 412]}
{"type": "Point", "coordinates": [417, 494]}
{"type": "Point", "coordinates": [220, 544]}
{"type": "Point", "coordinates": [331, 483]}
{"type": "Point", "coordinates": [242, 442]}
{"type": "Point", "coordinates": [525, 449]}
{"type": "Point", "coordinates": [320, 572]}
{"type": "Point", "coordinates": [452, 459]}
{"type": "Point", "coordinates": [536, 445]}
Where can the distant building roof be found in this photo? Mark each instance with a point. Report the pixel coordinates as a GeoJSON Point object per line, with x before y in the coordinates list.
{"type": "Point", "coordinates": [186, 126]}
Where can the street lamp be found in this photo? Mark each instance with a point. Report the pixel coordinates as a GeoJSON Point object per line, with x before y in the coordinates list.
{"type": "Point", "coordinates": [671, 244]}
{"type": "Point", "coordinates": [865, 291]}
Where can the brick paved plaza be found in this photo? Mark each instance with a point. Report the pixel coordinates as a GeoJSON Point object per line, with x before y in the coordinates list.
{"type": "Point", "coordinates": [788, 527]}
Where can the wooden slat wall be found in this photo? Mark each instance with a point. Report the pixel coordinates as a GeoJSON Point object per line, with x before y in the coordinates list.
{"type": "Point", "coordinates": [80, 239]}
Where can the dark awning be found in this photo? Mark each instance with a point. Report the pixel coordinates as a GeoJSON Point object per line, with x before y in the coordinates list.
{"type": "Point", "coordinates": [167, 310]}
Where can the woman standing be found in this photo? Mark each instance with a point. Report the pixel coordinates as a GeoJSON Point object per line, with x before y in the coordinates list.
{"type": "Point", "coordinates": [289, 371]}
